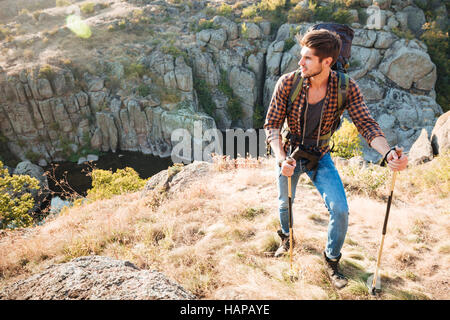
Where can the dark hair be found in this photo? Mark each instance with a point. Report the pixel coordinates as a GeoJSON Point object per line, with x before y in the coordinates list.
{"type": "Point", "coordinates": [325, 43]}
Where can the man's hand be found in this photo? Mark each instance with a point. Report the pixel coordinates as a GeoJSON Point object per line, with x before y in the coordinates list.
{"type": "Point", "coordinates": [397, 161]}
{"type": "Point", "coordinates": [288, 166]}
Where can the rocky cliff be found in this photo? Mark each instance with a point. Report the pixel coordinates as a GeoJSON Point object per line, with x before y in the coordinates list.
{"type": "Point", "coordinates": [54, 108]}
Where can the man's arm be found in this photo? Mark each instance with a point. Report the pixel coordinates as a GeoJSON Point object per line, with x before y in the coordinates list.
{"type": "Point", "coordinates": [276, 114]}
{"type": "Point", "coordinates": [371, 131]}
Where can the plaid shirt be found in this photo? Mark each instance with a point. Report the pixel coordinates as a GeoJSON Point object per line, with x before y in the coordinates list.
{"type": "Point", "coordinates": [355, 105]}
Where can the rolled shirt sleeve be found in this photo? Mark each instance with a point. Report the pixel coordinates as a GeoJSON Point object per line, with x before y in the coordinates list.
{"type": "Point", "coordinates": [276, 112]}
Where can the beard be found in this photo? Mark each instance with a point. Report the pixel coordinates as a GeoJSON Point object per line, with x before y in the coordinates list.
{"type": "Point", "coordinates": [312, 74]}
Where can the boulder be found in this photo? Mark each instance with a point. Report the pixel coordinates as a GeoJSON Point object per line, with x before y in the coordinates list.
{"type": "Point", "coordinates": [421, 150]}
{"type": "Point", "coordinates": [230, 27]}
{"type": "Point", "coordinates": [406, 63]}
{"type": "Point", "coordinates": [415, 18]}
{"type": "Point", "coordinates": [34, 171]}
{"type": "Point", "coordinates": [95, 278]}
{"type": "Point", "coordinates": [440, 136]}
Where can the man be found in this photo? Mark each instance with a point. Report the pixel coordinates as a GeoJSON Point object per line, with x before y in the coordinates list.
{"type": "Point", "coordinates": [312, 115]}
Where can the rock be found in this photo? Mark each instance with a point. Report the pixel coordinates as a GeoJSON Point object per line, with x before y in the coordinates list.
{"type": "Point", "coordinates": [57, 204]}
{"type": "Point", "coordinates": [415, 18]}
{"type": "Point", "coordinates": [243, 83]}
{"type": "Point", "coordinates": [35, 171]}
{"type": "Point", "coordinates": [95, 278]}
{"type": "Point", "coordinates": [265, 27]}
{"type": "Point", "coordinates": [400, 4]}
{"type": "Point", "coordinates": [364, 38]}
{"type": "Point", "coordinates": [180, 180]}
{"type": "Point", "coordinates": [383, 4]}
{"type": "Point", "coordinates": [366, 58]}
{"type": "Point", "coordinates": [204, 68]}
{"type": "Point", "coordinates": [253, 31]}
{"type": "Point", "coordinates": [230, 27]}
{"type": "Point", "coordinates": [183, 75]}
{"type": "Point", "coordinates": [218, 38]}
{"type": "Point", "coordinates": [45, 89]}
{"type": "Point", "coordinates": [273, 58]}
{"type": "Point", "coordinates": [427, 82]}
{"type": "Point", "coordinates": [95, 84]}
{"type": "Point", "coordinates": [406, 63]}
{"type": "Point", "coordinates": [105, 121]}
{"type": "Point", "coordinates": [421, 151]}
{"type": "Point", "coordinates": [440, 136]}
{"type": "Point", "coordinates": [385, 39]}
{"type": "Point", "coordinates": [392, 22]}
{"type": "Point", "coordinates": [370, 90]}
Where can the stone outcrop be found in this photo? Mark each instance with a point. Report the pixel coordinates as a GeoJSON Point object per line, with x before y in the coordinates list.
{"type": "Point", "coordinates": [95, 278]}
{"type": "Point", "coordinates": [440, 136]}
{"type": "Point", "coordinates": [45, 111]}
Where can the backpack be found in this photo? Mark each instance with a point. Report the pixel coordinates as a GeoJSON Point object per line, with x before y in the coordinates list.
{"type": "Point", "coordinates": [342, 64]}
{"type": "Point", "coordinates": [346, 34]}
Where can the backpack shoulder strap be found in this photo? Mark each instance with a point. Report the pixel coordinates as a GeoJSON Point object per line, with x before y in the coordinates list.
{"type": "Point", "coordinates": [343, 84]}
{"type": "Point", "coordinates": [295, 90]}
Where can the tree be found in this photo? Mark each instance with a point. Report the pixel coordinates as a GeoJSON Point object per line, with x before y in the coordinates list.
{"type": "Point", "coordinates": [15, 199]}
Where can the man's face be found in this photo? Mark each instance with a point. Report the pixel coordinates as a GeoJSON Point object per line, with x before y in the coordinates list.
{"type": "Point", "coordinates": [309, 63]}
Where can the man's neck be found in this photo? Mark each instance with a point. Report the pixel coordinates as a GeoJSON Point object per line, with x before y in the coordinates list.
{"type": "Point", "coordinates": [320, 80]}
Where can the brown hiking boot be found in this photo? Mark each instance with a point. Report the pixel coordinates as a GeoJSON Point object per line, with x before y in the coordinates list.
{"type": "Point", "coordinates": [284, 246]}
{"type": "Point", "coordinates": [337, 279]}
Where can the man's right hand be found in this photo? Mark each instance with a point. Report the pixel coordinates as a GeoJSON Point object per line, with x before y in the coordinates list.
{"type": "Point", "coordinates": [288, 166]}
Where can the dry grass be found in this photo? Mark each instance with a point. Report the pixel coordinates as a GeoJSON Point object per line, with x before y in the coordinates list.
{"type": "Point", "coordinates": [213, 237]}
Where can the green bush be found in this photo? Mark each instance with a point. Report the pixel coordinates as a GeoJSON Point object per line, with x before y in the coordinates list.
{"type": "Point", "coordinates": [225, 10]}
{"type": "Point", "coordinates": [299, 14]}
{"type": "Point", "coordinates": [204, 96]}
{"type": "Point", "coordinates": [234, 107]}
{"type": "Point", "coordinates": [106, 184]}
{"type": "Point", "coordinates": [342, 16]}
{"type": "Point", "coordinates": [15, 202]}
{"type": "Point", "coordinates": [134, 70]}
{"type": "Point", "coordinates": [347, 143]}
{"type": "Point", "coordinates": [62, 3]}
{"type": "Point", "coordinates": [143, 90]}
{"type": "Point", "coordinates": [438, 49]}
{"type": "Point", "coordinates": [87, 8]}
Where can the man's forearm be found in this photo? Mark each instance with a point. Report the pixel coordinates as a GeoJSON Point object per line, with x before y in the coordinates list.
{"type": "Point", "coordinates": [276, 143]}
{"type": "Point", "coordinates": [381, 145]}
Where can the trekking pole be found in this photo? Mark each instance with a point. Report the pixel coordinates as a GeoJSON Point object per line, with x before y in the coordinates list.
{"type": "Point", "coordinates": [375, 277]}
{"type": "Point", "coordinates": [290, 219]}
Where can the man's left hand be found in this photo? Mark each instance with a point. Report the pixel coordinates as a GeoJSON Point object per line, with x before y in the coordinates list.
{"type": "Point", "coordinates": [397, 161]}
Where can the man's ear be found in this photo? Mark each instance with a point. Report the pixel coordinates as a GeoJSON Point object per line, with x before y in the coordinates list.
{"type": "Point", "coordinates": [328, 61]}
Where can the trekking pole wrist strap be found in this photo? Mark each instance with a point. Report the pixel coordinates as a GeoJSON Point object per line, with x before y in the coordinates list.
{"type": "Point", "coordinates": [384, 161]}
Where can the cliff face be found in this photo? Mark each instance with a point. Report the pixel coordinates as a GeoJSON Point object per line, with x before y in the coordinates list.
{"type": "Point", "coordinates": [51, 109]}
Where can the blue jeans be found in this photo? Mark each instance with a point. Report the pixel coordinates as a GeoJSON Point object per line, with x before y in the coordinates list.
{"type": "Point", "coordinates": [330, 187]}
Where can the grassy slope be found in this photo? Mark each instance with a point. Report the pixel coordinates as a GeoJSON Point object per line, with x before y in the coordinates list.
{"type": "Point", "coordinates": [211, 238]}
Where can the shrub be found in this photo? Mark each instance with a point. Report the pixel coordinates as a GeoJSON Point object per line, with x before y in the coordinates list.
{"type": "Point", "coordinates": [342, 16]}
{"type": "Point", "coordinates": [15, 201]}
{"type": "Point", "coordinates": [438, 48]}
{"type": "Point", "coordinates": [346, 141]}
{"type": "Point", "coordinates": [258, 116]}
{"type": "Point", "coordinates": [299, 14]}
{"type": "Point", "coordinates": [62, 3]}
{"type": "Point", "coordinates": [106, 184]}
{"type": "Point", "coordinates": [225, 10]}
{"type": "Point", "coordinates": [204, 96]}
{"type": "Point", "coordinates": [87, 8]}
{"type": "Point", "coordinates": [143, 90]}
{"type": "Point", "coordinates": [134, 70]}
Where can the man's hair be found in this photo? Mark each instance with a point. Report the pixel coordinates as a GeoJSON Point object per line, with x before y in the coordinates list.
{"type": "Point", "coordinates": [325, 43]}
